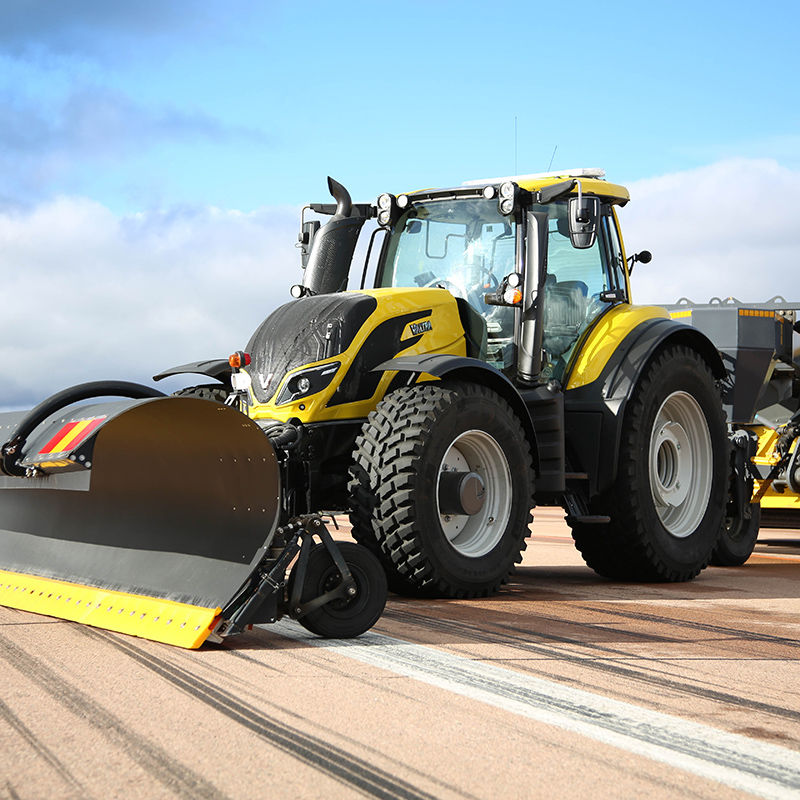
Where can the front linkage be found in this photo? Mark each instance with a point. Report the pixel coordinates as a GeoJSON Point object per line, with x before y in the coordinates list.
{"type": "Point", "coordinates": [334, 589]}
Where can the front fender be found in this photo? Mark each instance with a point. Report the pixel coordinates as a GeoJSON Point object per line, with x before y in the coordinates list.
{"type": "Point", "coordinates": [463, 368]}
{"type": "Point", "coordinates": [217, 368]}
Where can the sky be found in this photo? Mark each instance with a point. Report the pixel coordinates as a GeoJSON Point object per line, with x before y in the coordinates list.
{"type": "Point", "coordinates": [154, 156]}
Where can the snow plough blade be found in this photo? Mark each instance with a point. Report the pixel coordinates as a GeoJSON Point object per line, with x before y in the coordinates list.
{"type": "Point", "coordinates": [143, 516]}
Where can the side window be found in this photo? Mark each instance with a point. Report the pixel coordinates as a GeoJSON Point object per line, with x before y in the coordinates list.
{"type": "Point", "coordinates": [574, 284]}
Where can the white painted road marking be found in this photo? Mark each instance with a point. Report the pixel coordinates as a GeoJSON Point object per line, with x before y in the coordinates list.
{"type": "Point", "coordinates": [742, 763]}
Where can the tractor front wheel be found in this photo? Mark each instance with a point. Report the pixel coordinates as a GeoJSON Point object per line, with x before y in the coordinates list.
{"type": "Point", "coordinates": [443, 480]}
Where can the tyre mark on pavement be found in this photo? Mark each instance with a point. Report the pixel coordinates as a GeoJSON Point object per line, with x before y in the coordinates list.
{"type": "Point", "coordinates": [707, 627]}
{"type": "Point", "coordinates": [509, 636]}
{"type": "Point", "coordinates": [41, 750]}
{"type": "Point", "coordinates": [742, 763]}
{"type": "Point", "coordinates": [11, 793]}
{"type": "Point", "coordinates": [317, 753]}
{"type": "Point", "coordinates": [344, 671]}
{"type": "Point", "coordinates": [174, 775]}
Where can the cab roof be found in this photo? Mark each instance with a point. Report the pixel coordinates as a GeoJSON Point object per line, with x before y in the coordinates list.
{"type": "Point", "coordinates": [592, 182]}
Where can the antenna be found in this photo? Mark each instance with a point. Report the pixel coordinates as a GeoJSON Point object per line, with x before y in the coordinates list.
{"type": "Point", "coordinates": [515, 144]}
{"type": "Point", "coordinates": [549, 166]}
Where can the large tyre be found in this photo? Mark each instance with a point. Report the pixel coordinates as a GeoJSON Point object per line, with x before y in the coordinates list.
{"type": "Point", "coordinates": [363, 501]}
{"type": "Point", "coordinates": [737, 538]}
{"type": "Point", "coordinates": [427, 454]}
{"type": "Point", "coordinates": [668, 500]}
{"type": "Point", "coordinates": [342, 619]}
{"type": "Point", "coordinates": [215, 392]}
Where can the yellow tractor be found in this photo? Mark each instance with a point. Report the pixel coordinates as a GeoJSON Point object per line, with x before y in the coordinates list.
{"type": "Point", "coordinates": [496, 362]}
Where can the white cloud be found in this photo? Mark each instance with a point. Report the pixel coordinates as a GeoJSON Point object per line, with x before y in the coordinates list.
{"type": "Point", "coordinates": [727, 229]}
{"type": "Point", "coordinates": [89, 295]}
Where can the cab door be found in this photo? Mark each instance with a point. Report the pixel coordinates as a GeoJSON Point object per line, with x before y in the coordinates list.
{"type": "Point", "coordinates": [579, 286]}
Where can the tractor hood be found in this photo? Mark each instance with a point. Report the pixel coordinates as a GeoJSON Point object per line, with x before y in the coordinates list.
{"type": "Point", "coordinates": [314, 358]}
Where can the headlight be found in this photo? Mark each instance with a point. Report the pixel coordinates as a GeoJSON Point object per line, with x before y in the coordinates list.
{"type": "Point", "coordinates": [488, 192]}
{"type": "Point", "coordinates": [385, 202]}
{"type": "Point", "coordinates": [508, 197]}
{"type": "Point", "coordinates": [308, 381]}
{"type": "Point", "coordinates": [384, 217]}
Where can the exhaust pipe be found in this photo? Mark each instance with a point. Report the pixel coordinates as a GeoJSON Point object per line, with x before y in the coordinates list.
{"type": "Point", "coordinates": [332, 251]}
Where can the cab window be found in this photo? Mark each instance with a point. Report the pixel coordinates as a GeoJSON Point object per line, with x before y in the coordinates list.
{"type": "Point", "coordinates": [466, 246]}
{"type": "Point", "coordinates": [574, 284]}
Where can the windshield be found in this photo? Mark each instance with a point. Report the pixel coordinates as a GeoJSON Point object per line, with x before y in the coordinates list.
{"type": "Point", "coordinates": [463, 245]}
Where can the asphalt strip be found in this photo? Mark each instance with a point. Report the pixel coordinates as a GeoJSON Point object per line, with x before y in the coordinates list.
{"type": "Point", "coordinates": [742, 763]}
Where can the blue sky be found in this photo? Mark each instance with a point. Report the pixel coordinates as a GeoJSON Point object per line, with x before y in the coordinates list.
{"type": "Point", "coordinates": [151, 103]}
{"type": "Point", "coordinates": [151, 150]}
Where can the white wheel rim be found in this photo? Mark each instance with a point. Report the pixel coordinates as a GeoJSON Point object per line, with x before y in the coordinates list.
{"type": "Point", "coordinates": [680, 464]}
{"type": "Point", "coordinates": [477, 451]}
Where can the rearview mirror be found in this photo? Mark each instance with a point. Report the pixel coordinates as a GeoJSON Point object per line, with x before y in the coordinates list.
{"type": "Point", "coordinates": [305, 239]}
{"type": "Point", "coordinates": [584, 213]}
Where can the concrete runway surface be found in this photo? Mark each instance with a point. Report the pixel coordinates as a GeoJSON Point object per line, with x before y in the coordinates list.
{"type": "Point", "coordinates": [563, 685]}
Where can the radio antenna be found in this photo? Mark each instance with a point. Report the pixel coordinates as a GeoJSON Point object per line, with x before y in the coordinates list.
{"type": "Point", "coordinates": [515, 144]}
{"type": "Point", "coordinates": [550, 165]}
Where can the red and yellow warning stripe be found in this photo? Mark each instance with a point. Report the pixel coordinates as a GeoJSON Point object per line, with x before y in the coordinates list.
{"type": "Point", "coordinates": [71, 435]}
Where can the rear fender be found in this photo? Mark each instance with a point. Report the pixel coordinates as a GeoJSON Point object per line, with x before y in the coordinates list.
{"type": "Point", "coordinates": [595, 412]}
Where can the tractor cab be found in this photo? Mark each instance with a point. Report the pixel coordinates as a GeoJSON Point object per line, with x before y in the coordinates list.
{"type": "Point", "coordinates": [533, 268]}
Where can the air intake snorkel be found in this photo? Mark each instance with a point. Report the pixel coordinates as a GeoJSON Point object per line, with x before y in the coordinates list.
{"type": "Point", "coordinates": [332, 250]}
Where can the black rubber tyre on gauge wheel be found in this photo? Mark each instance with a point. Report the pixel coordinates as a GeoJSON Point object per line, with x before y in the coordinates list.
{"type": "Point", "coordinates": [342, 618]}
{"type": "Point", "coordinates": [668, 500]}
{"type": "Point", "coordinates": [443, 481]}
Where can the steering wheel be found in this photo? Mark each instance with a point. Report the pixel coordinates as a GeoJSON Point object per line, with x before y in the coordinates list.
{"type": "Point", "coordinates": [487, 283]}
{"type": "Point", "coordinates": [444, 283]}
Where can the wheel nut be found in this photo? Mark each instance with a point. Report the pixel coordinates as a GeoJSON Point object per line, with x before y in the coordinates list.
{"type": "Point", "coordinates": [351, 590]}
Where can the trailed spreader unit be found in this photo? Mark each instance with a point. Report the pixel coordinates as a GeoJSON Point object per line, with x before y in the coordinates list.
{"type": "Point", "coordinates": [761, 397]}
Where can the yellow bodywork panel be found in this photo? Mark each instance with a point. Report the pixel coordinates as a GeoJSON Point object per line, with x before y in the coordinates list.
{"type": "Point", "coordinates": [153, 618]}
{"type": "Point", "coordinates": [766, 457]}
{"type": "Point", "coordinates": [443, 335]}
{"type": "Point", "coordinates": [605, 337]}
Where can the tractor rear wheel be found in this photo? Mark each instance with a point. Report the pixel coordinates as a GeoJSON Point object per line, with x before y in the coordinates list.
{"type": "Point", "coordinates": [444, 482]}
{"type": "Point", "coordinates": [669, 497]}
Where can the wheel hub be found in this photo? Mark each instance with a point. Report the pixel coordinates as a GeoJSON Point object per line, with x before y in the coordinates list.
{"type": "Point", "coordinates": [680, 464]}
{"type": "Point", "coordinates": [474, 493]}
{"type": "Point", "coordinates": [672, 470]}
{"type": "Point", "coordinates": [461, 493]}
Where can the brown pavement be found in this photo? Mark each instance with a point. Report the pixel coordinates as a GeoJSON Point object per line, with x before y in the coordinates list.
{"type": "Point", "coordinates": [91, 714]}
